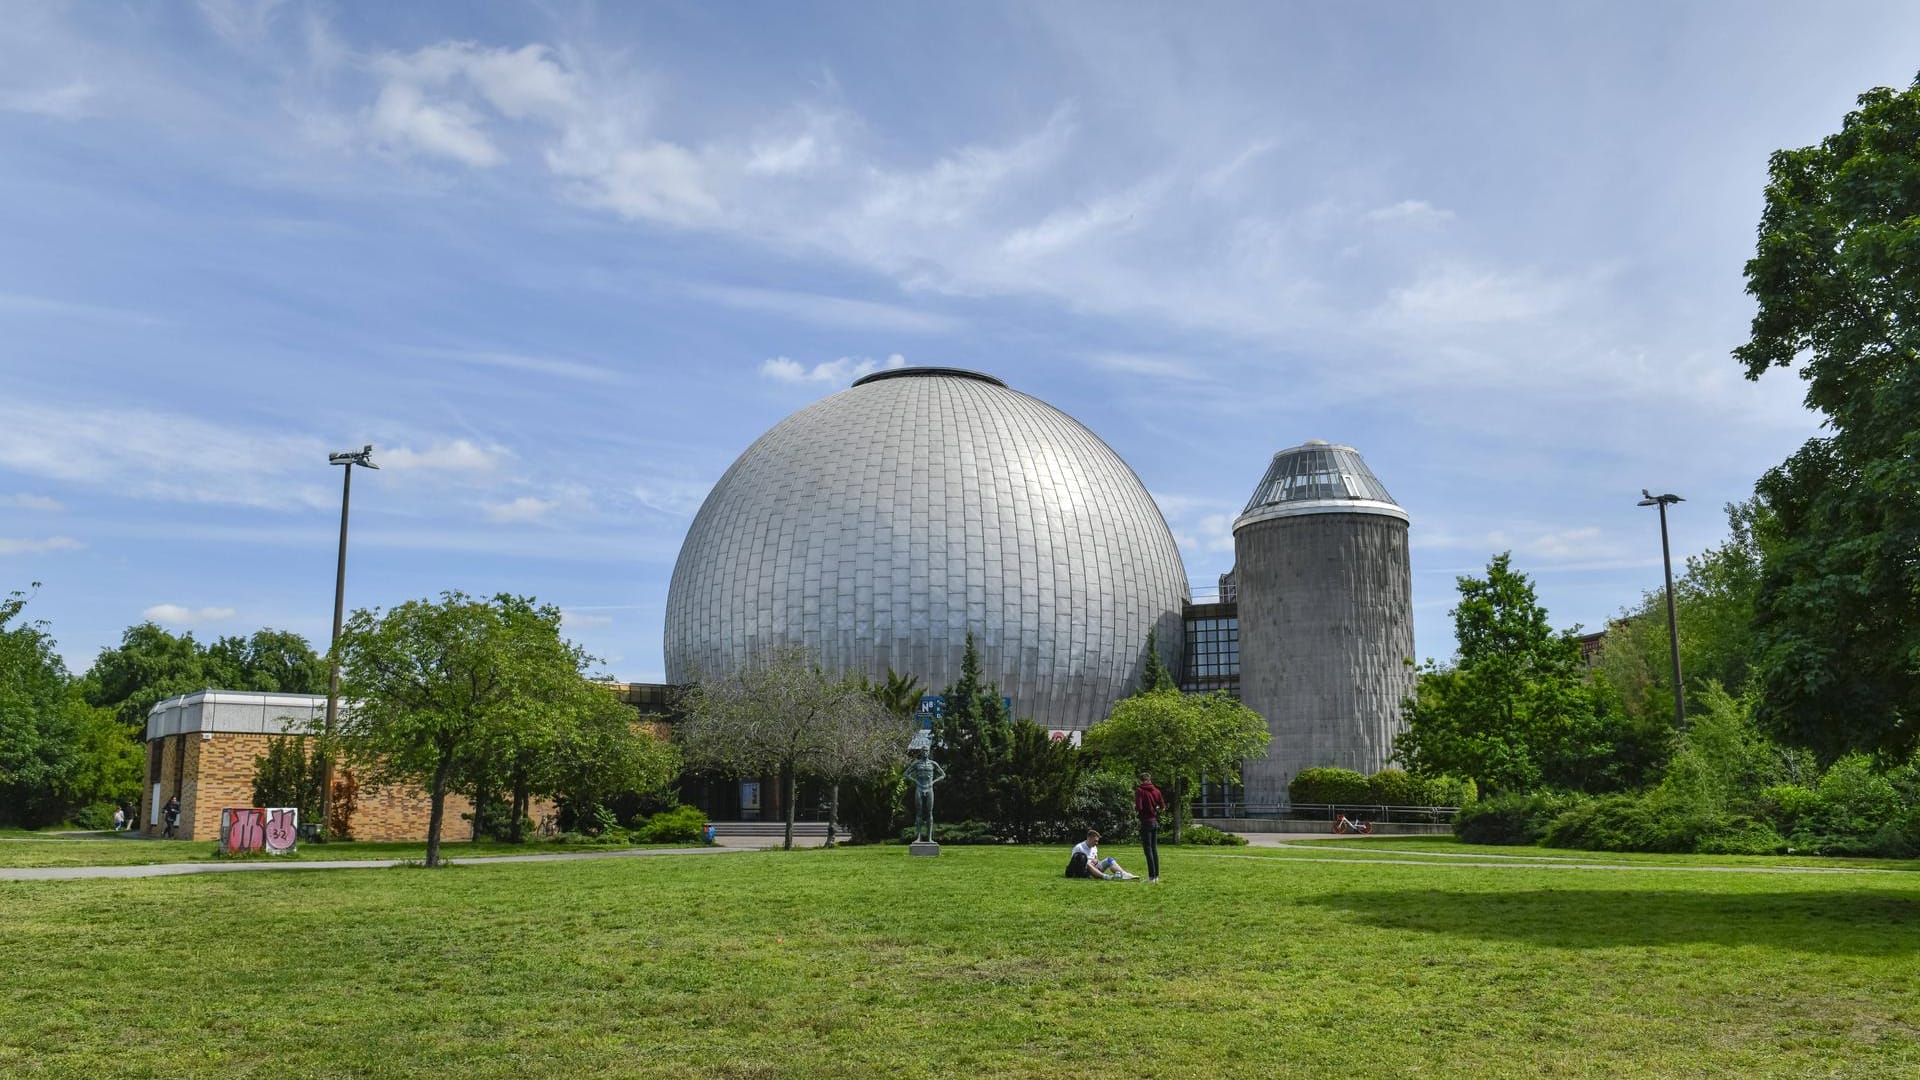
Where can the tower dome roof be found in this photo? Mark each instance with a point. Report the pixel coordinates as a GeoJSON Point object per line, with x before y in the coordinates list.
{"type": "Point", "coordinates": [1318, 477]}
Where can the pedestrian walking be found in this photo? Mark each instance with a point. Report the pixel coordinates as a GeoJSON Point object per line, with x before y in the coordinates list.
{"type": "Point", "coordinates": [172, 814]}
{"type": "Point", "coordinates": [119, 819]}
{"type": "Point", "coordinates": [1148, 803]}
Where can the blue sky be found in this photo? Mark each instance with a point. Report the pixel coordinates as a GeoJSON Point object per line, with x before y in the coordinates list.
{"type": "Point", "coordinates": [562, 263]}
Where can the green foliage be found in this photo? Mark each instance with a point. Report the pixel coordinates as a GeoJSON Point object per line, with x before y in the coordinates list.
{"type": "Point", "coordinates": [1328, 785]}
{"type": "Point", "coordinates": [1393, 787]}
{"type": "Point", "coordinates": [1180, 738]}
{"type": "Point", "coordinates": [97, 816]}
{"type": "Point", "coordinates": [1512, 818]}
{"type": "Point", "coordinates": [1451, 791]}
{"type": "Point", "coordinates": [1208, 836]}
{"type": "Point", "coordinates": [1837, 281]}
{"type": "Point", "coordinates": [874, 808]}
{"type": "Point", "coordinates": [964, 832]}
{"type": "Point", "coordinates": [1515, 710]}
{"type": "Point", "coordinates": [1154, 674]}
{"type": "Point", "coordinates": [286, 775]}
{"type": "Point", "coordinates": [57, 754]}
{"type": "Point", "coordinates": [1102, 800]}
{"type": "Point", "coordinates": [680, 825]}
{"type": "Point", "coordinates": [438, 687]}
{"type": "Point", "coordinates": [1038, 783]}
{"type": "Point", "coordinates": [974, 737]}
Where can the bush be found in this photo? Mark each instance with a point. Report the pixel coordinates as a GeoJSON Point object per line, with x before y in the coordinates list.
{"type": "Point", "coordinates": [1325, 785]}
{"type": "Point", "coordinates": [1623, 823]}
{"type": "Point", "coordinates": [1787, 805]}
{"type": "Point", "coordinates": [1102, 800]}
{"type": "Point", "coordinates": [1392, 787]}
{"type": "Point", "coordinates": [1742, 836]}
{"type": "Point", "coordinates": [1514, 818]}
{"type": "Point", "coordinates": [680, 825]}
{"type": "Point", "coordinates": [1207, 835]}
{"type": "Point", "coordinates": [97, 816]}
{"type": "Point", "coordinates": [1451, 791]}
{"type": "Point", "coordinates": [958, 832]}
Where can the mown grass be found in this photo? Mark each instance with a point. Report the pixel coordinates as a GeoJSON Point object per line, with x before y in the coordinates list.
{"type": "Point", "coordinates": [984, 962]}
{"type": "Point", "coordinates": [20, 850]}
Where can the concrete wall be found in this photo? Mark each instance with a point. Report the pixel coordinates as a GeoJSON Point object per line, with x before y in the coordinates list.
{"type": "Point", "coordinates": [1326, 640]}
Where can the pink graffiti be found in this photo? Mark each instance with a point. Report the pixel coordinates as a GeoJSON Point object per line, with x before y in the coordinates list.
{"type": "Point", "coordinates": [246, 829]}
{"type": "Point", "coordinates": [283, 826]}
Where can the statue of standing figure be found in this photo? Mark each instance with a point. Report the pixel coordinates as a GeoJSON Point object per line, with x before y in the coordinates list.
{"type": "Point", "coordinates": [923, 772]}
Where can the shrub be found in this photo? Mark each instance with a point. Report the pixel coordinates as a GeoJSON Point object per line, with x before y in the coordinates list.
{"type": "Point", "coordinates": [680, 825]}
{"type": "Point", "coordinates": [1324, 785]}
{"type": "Point", "coordinates": [1102, 800]}
{"type": "Point", "coordinates": [1392, 787]}
{"type": "Point", "coordinates": [1207, 835]}
{"type": "Point", "coordinates": [96, 816]}
{"type": "Point", "coordinates": [1855, 800]}
{"type": "Point", "coordinates": [1787, 805]}
{"type": "Point", "coordinates": [1514, 818]}
{"type": "Point", "coordinates": [1622, 823]}
{"type": "Point", "coordinates": [958, 832]}
{"type": "Point", "coordinates": [1742, 836]}
{"type": "Point", "coordinates": [1451, 791]}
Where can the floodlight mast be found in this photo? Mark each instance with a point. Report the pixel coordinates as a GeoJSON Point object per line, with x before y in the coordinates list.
{"type": "Point", "coordinates": [1648, 498]}
{"type": "Point", "coordinates": [362, 457]}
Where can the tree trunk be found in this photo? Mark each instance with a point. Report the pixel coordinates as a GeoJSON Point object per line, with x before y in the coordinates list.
{"type": "Point", "coordinates": [521, 799]}
{"type": "Point", "coordinates": [792, 778]}
{"type": "Point", "coordinates": [439, 813]}
{"type": "Point", "coordinates": [480, 798]}
{"type": "Point", "coordinates": [1179, 806]}
{"type": "Point", "coordinates": [833, 812]}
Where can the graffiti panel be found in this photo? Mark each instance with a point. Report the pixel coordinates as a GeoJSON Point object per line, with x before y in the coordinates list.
{"type": "Point", "coordinates": [243, 828]}
{"type": "Point", "coordinates": [283, 829]}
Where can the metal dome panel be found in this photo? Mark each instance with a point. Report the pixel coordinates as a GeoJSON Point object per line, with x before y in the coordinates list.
{"type": "Point", "coordinates": [877, 527]}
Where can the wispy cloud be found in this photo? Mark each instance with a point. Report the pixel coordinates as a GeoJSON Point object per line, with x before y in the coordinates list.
{"type": "Point", "coordinates": [841, 371]}
{"type": "Point", "coordinates": [1415, 212]}
{"type": "Point", "coordinates": [556, 367]}
{"type": "Point", "coordinates": [67, 101]}
{"type": "Point", "coordinates": [1149, 366]}
{"type": "Point", "coordinates": [571, 619]}
{"type": "Point", "coordinates": [15, 546]}
{"type": "Point", "coordinates": [831, 310]}
{"type": "Point", "coordinates": [456, 456]}
{"type": "Point", "coordinates": [523, 509]}
{"type": "Point", "coordinates": [33, 502]}
{"type": "Point", "coordinates": [178, 615]}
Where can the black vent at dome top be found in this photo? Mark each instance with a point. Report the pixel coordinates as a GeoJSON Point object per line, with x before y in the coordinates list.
{"type": "Point", "coordinates": [911, 372]}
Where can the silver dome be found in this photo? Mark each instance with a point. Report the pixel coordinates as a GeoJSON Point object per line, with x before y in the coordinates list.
{"type": "Point", "coordinates": [879, 526]}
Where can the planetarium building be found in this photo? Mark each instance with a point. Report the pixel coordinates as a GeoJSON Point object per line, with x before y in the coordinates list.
{"type": "Point", "coordinates": [882, 525]}
{"type": "Point", "coordinates": [879, 527]}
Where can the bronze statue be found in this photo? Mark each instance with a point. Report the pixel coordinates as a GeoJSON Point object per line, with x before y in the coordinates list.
{"type": "Point", "coordinates": [923, 772]}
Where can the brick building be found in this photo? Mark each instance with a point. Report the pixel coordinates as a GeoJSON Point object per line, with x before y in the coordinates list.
{"type": "Point", "coordinates": [201, 749]}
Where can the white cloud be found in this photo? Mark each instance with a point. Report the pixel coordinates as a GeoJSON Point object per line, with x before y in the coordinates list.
{"type": "Point", "coordinates": [1455, 295]}
{"type": "Point", "coordinates": [33, 502]}
{"type": "Point", "coordinates": [176, 615]}
{"type": "Point", "coordinates": [576, 370]}
{"type": "Point", "coordinates": [403, 117]}
{"type": "Point", "coordinates": [12, 546]}
{"type": "Point", "coordinates": [841, 371]}
{"type": "Point", "coordinates": [577, 620]}
{"type": "Point", "coordinates": [673, 499]}
{"type": "Point", "coordinates": [1157, 367]}
{"type": "Point", "coordinates": [244, 24]}
{"type": "Point", "coordinates": [1407, 212]}
{"type": "Point", "coordinates": [68, 101]}
{"type": "Point", "coordinates": [524, 508]}
{"type": "Point", "coordinates": [459, 455]}
{"type": "Point", "coordinates": [830, 310]}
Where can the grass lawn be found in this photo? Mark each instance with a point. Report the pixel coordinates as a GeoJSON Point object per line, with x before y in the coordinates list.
{"type": "Point", "coordinates": [984, 962]}
{"type": "Point", "coordinates": [18, 849]}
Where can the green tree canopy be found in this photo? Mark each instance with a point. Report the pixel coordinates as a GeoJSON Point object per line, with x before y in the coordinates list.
{"type": "Point", "coordinates": [57, 754]}
{"type": "Point", "coordinates": [431, 683]}
{"type": "Point", "coordinates": [1180, 738]}
{"type": "Point", "coordinates": [1155, 675]}
{"type": "Point", "coordinates": [1836, 274]}
{"type": "Point", "coordinates": [973, 736]}
{"type": "Point", "coordinates": [1515, 709]}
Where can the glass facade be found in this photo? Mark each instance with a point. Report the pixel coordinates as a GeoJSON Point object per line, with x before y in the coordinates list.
{"type": "Point", "coordinates": [1212, 649]}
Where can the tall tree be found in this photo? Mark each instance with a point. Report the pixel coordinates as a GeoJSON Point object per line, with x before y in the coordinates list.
{"type": "Point", "coordinates": [973, 735]}
{"type": "Point", "coordinates": [1837, 280]}
{"type": "Point", "coordinates": [37, 732]}
{"type": "Point", "coordinates": [1155, 675]}
{"type": "Point", "coordinates": [147, 667]}
{"type": "Point", "coordinates": [270, 661]}
{"type": "Point", "coordinates": [431, 681]}
{"type": "Point", "coordinates": [778, 713]}
{"type": "Point", "coordinates": [1181, 738]}
{"type": "Point", "coordinates": [1042, 774]}
{"type": "Point", "coordinates": [601, 751]}
{"type": "Point", "coordinates": [1515, 709]}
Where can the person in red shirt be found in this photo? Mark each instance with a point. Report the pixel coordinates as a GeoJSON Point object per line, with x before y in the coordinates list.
{"type": "Point", "coordinates": [1148, 803]}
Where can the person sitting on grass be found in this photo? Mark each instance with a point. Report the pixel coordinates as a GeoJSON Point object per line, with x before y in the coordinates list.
{"type": "Point", "coordinates": [1087, 863]}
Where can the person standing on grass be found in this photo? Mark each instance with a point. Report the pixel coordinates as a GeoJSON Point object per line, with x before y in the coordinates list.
{"type": "Point", "coordinates": [1148, 803]}
{"type": "Point", "coordinates": [119, 819]}
{"type": "Point", "coordinates": [172, 814]}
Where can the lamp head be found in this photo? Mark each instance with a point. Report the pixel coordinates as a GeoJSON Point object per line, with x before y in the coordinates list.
{"type": "Point", "coordinates": [362, 457]}
{"type": "Point", "coordinates": [1650, 499]}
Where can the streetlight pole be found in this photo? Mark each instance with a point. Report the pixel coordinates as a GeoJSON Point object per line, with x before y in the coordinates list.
{"type": "Point", "coordinates": [1673, 624]}
{"type": "Point", "coordinates": [362, 457]}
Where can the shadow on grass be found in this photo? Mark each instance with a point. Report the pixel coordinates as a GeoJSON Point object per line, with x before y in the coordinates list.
{"type": "Point", "coordinates": [1868, 922]}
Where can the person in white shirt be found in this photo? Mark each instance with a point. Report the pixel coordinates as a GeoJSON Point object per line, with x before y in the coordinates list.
{"type": "Point", "coordinates": [1087, 863]}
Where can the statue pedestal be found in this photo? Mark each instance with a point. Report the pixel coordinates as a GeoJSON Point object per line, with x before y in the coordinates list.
{"type": "Point", "coordinates": [923, 847]}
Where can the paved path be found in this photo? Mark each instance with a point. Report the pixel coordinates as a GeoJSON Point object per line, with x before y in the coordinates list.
{"type": "Point", "coordinates": [453, 857]}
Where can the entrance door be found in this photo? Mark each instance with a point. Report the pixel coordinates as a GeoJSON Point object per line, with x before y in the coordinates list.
{"type": "Point", "coordinates": [749, 800]}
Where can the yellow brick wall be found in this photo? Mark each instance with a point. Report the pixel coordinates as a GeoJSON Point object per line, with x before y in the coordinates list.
{"type": "Point", "coordinates": [218, 773]}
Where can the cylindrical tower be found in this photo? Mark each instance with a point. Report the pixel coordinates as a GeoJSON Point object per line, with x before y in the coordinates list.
{"type": "Point", "coordinates": [1326, 616]}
